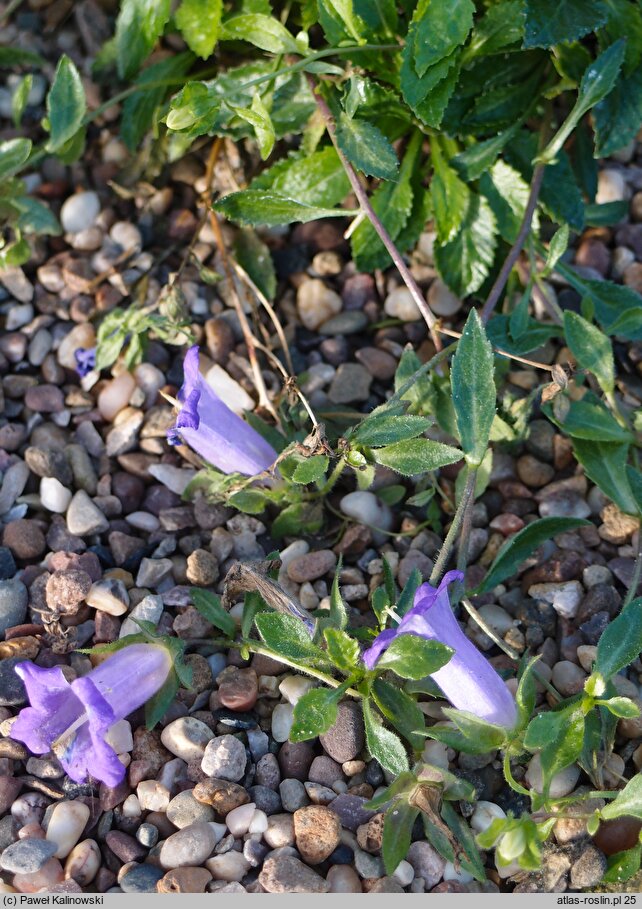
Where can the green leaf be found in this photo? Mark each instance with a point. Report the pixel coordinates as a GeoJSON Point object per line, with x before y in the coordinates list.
{"type": "Point", "coordinates": [441, 27]}
{"type": "Point", "coordinates": [623, 865]}
{"type": "Point", "coordinates": [473, 389]}
{"type": "Point", "coordinates": [254, 256]}
{"type": "Point", "coordinates": [317, 179]}
{"type": "Point", "coordinates": [612, 304]}
{"type": "Point", "coordinates": [286, 635]}
{"type": "Point", "coordinates": [621, 641]}
{"type": "Point", "coordinates": [314, 713]}
{"type": "Point", "coordinates": [366, 147]}
{"type": "Point", "coordinates": [606, 214]}
{"type": "Point", "coordinates": [550, 22]}
{"type": "Point", "coordinates": [485, 734]}
{"type": "Point", "coordinates": [344, 10]}
{"type": "Point", "coordinates": [591, 349]}
{"type": "Point", "coordinates": [500, 26]}
{"type": "Point", "coordinates": [262, 31]}
{"type": "Point", "coordinates": [258, 116]}
{"type": "Point", "coordinates": [382, 429]}
{"type": "Point", "coordinates": [557, 247]}
{"type": "Point", "coordinates": [450, 197]}
{"type": "Point", "coordinates": [407, 595]}
{"type": "Point", "coordinates": [589, 419]}
{"type": "Point", "coordinates": [338, 613]}
{"type": "Point", "coordinates": [253, 206]}
{"type": "Point", "coordinates": [628, 803]}
{"type": "Point", "coordinates": [140, 108]}
{"type": "Point", "coordinates": [401, 710]}
{"type": "Point", "coordinates": [519, 318]}
{"type": "Point", "coordinates": [392, 202]}
{"type": "Point", "coordinates": [412, 657]}
{"type": "Point", "coordinates": [66, 104]}
{"type": "Point", "coordinates": [625, 20]}
{"type": "Point", "coordinates": [428, 95]}
{"type": "Point", "coordinates": [199, 22]}
{"type": "Point", "coordinates": [11, 57]}
{"type": "Point", "coordinates": [471, 861]}
{"type": "Point", "coordinates": [209, 606]}
{"type": "Point", "coordinates": [383, 745]}
{"type": "Point", "coordinates": [311, 469]}
{"type": "Point", "coordinates": [397, 833]}
{"type": "Point", "coordinates": [13, 154]}
{"type": "Point", "coordinates": [558, 737]}
{"type": "Point", "coordinates": [604, 463]}
{"type": "Point", "coordinates": [516, 549]}
{"type": "Point", "coordinates": [526, 693]}
{"type": "Point", "coordinates": [20, 99]}
{"type": "Point", "coordinates": [416, 456]}
{"type": "Point", "coordinates": [300, 517]}
{"type": "Point", "coordinates": [343, 650]}
{"type": "Point", "coordinates": [617, 118]}
{"type": "Point", "coordinates": [621, 707]}
{"type": "Point", "coordinates": [139, 25]}
{"type": "Point", "coordinates": [464, 263]}
{"type": "Point", "coordinates": [597, 82]}
{"type": "Point", "coordinates": [478, 158]}
{"type": "Point", "coordinates": [36, 217]}
{"type": "Point", "coordinates": [507, 194]}
{"type": "Point", "coordinates": [249, 501]}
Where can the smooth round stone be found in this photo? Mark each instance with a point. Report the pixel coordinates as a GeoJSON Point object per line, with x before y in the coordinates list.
{"type": "Point", "coordinates": [150, 380]}
{"type": "Point", "coordinates": [27, 856]}
{"type": "Point", "coordinates": [343, 879]}
{"type": "Point", "coordinates": [345, 739]}
{"type": "Point", "coordinates": [120, 737]}
{"type": "Point", "coordinates": [316, 303]}
{"type": "Point", "coordinates": [562, 783]}
{"type": "Point", "coordinates": [280, 831]}
{"type": "Point", "coordinates": [259, 822]}
{"type": "Point", "coordinates": [282, 720]}
{"type": "Point", "coordinates": [84, 517]}
{"type": "Point", "coordinates": [126, 235]}
{"type": "Point", "coordinates": [484, 815]}
{"type": "Point", "coordinates": [224, 758]}
{"type": "Point", "coordinates": [82, 335]}
{"type": "Point", "coordinates": [229, 390]}
{"type": "Point", "coordinates": [79, 212]}
{"type": "Point", "coordinates": [143, 520]}
{"type": "Point", "coordinates": [231, 866]}
{"type": "Point", "coordinates": [54, 496]}
{"type": "Point", "coordinates": [404, 873]}
{"type": "Point", "coordinates": [189, 846]}
{"type": "Point", "coordinates": [13, 483]}
{"type": "Point", "coordinates": [131, 807]}
{"type": "Point", "coordinates": [460, 875]}
{"type": "Point", "coordinates": [45, 879]}
{"type": "Point", "coordinates": [427, 862]}
{"type": "Point", "coordinates": [293, 687]}
{"type": "Point", "coordinates": [239, 819]}
{"type": "Point", "coordinates": [287, 874]}
{"type": "Point", "coordinates": [147, 835]}
{"type": "Point", "coordinates": [442, 300]}
{"type": "Point", "coordinates": [366, 508]}
{"type": "Point", "coordinates": [152, 795]}
{"type": "Point", "coordinates": [20, 314]}
{"type": "Point", "coordinates": [184, 810]}
{"type": "Point", "coordinates": [317, 833]}
{"type": "Point", "coordinates": [66, 824]}
{"type": "Point", "coordinates": [186, 738]}
{"type": "Point", "coordinates": [115, 396]}
{"type": "Point", "coordinates": [399, 304]}
{"type": "Point", "coordinates": [14, 598]}
{"type": "Point", "coordinates": [83, 862]}
{"type": "Point", "coordinates": [109, 595]}
{"type": "Point", "coordinates": [611, 186]}
{"type": "Point", "coordinates": [141, 879]}
{"type": "Point", "coordinates": [346, 323]}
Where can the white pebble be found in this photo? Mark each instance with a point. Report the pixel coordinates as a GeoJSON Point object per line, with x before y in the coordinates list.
{"type": "Point", "coordinates": [231, 866]}
{"type": "Point", "coordinates": [366, 508]}
{"type": "Point", "coordinates": [442, 300]}
{"type": "Point", "coordinates": [562, 783]}
{"type": "Point", "coordinates": [54, 496]}
{"type": "Point", "coordinates": [119, 736]}
{"type": "Point", "coordinates": [228, 389]}
{"type": "Point", "coordinates": [400, 304]}
{"type": "Point", "coordinates": [461, 876]}
{"type": "Point", "coordinates": [131, 807]}
{"type": "Point", "coordinates": [79, 212]}
{"type": "Point", "coordinates": [293, 687]}
{"type": "Point", "coordinates": [175, 478]}
{"type": "Point", "coordinates": [186, 737]}
{"type": "Point", "coordinates": [484, 815]}
{"type": "Point", "coordinates": [404, 873]}
{"type": "Point", "coordinates": [316, 303]}
{"type": "Point", "coordinates": [126, 235]}
{"type": "Point", "coordinates": [610, 186]}
{"type": "Point", "coordinates": [115, 395]}
{"type": "Point", "coordinates": [219, 830]}
{"type": "Point", "coordinates": [143, 520]}
{"type": "Point", "coordinates": [19, 314]}
{"type": "Point", "coordinates": [239, 819]}
{"type": "Point", "coordinates": [66, 825]}
{"type": "Point", "coordinates": [152, 795]}
{"type": "Point", "coordinates": [259, 822]}
{"type": "Point", "coordinates": [282, 719]}
{"type": "Point", "coordinates": [435, 753]}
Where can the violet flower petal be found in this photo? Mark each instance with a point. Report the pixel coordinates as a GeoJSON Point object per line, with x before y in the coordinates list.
{"type": "Point", "coordinates": [468, 680]}
{"type": "Point", "coordinates": [220, 436]}
{"type": "Point", "coordinates": [85, 360]}
{"type": "Point", "coordinates": [73, 719]}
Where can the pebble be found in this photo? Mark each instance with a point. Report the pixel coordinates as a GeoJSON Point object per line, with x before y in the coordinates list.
{"type": "Point", "coordinates": [427, 863]}
{"type": "Point", "coordinates": [115, 396]}
{"type": "Point", "coordinates": [49, 876]}
{"type": "Point", "coordinates": [13, 603]}
{"type": "Point", "coordinates": [84, 517]}
{"type": "Point", "coordinates": [148, 610]}
{"type": "Point", "coordinates": [66, 824]}
{"type": "Point", "coordinates": [12, 689]}
{"type": "Point", "coordinates": [611, 186]}
{"type": "Point", "coordinates": [279, 831]}
{"type": "Point", "coordinates": [184, 880]}
{"type": "Point", "coordinates": [400, 304]}
{"type": "Point", "coordinates": [346, 323]}
{"type": "Point", "coordinates": [83, 862]}
{"type": "Point", "coordinates": [152, 795]}
{"type": "Point", "coordinates": [231, 866]}
{"type": "Point", "coordinates": [141, 879]}
{"type": "Point", "coordinates": [202, 568]}
{"type": "Point", "coordinates": [239, 819]}
{"type": "Point", "coordinates": [79, 212]}
{"type": "Point", "coordinates": [380, 365]}
{"type": "Point", "coordinates": [562, 783]}
{"type": "Point", "coordinates": [109, 595]}
{"type": "Point", "coordinates": [565, 597]}
{"type": "Point", "coordinates": [177, 479]}
{"type": "Point", "coordinates": [312, 565]}
{"type": "Point", "coordinates": [45, 399]}
{"type": "Point", "coordinates": [27, 856]}
{"type": "Point", "coordinates": [282, 720]}
{"type": "Point", "coordinates": [343, 879]}
{"type": "Point", "coordinates": [224, 758]}
{"type": "Point", "coordinates": [66, 589]}
{"type": "Point", "coordinates": [368, 510]}
{"type": "Point", "coordinates": [617, 835]}
{"type": "Point", "coordinates": [229, 390]}
{"type": "Point", "coordinates": [588, 868]}
{"type": "Point", "coordinates": [316, 303]}
{"type": "Point", "coordinates": [568, 678]}
{"type": "Point", "coordinates": [484, 815]}
{"type": "Point", "coordinates": [184, 810]}
{"type": "Point", "coordinates": [287, 874]}
{"type": "Point", "coordinates": [345, 740]}
{"type": "Point", "coordinates": [350, 384]}
{"type": "Point", "coordinates": [190, 846]}
{"type": "Point", "coordinates": [238, 688]}
{"type": "Point", "coordinates": [223, 795]}
{"type": "Point", "coordinates": [293, 794]}
{"type": "Point", "coordinates": [317, 833]}
{"type": "Point", "coordinates": [187, 738]}
{"type": "Point", "coordinates": [25, 539]}
{"type": "Point", "coordinates": [442, 300]}
{"type": "Point", "coordinates": [54, 496]}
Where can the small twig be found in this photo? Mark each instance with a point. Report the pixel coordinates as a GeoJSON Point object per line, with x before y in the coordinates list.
{"type": "Point", "coordinates": [290, 381]}
{"type": "Point", "coordinates": [516, 248]}
{"type": "Point", "coordinates": [374, 219]}
{"type": "Point", "coordinates": [267, 306]}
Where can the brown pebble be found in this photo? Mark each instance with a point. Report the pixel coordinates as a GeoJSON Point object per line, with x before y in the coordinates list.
{"type": "Point", "coordinates": [617, 835]}
{"type": "Point", "coordinates": [67, 589]}
{"type": "Point", "coordinates": [184, 880]}
{"type": "Point", "coordinates": [25, 539]}
{"type": "Point", "coordinates": [317, 832]}
{"type": "Point", "coordinates": [25, 647]}
{"type": "Point", "coordinates": [311, 566]}
{"type": "Point", "coordinates": [45, 399]}
{"type": "Point", "coordinates": [222, 795]}
{"type": "Point", "coordinates": [125, 847]}
{"type": "Point", "coordinates": [238, 689]}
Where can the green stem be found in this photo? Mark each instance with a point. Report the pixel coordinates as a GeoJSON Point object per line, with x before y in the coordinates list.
{"type": "Point", "coordinates": [467, 522]}
{"type": "Point", "coordinates": [453, 532]}
{"type": "Point", "coordinates": [333, 478]}
{"type": "Point", "coordinates": [426, 367]}
{"type": "Point", "coordinates": [255, 647]}
{"type": "Point", "coordinates": [637, 572]}
{"type": "Point", "coordinates": [510, 779]}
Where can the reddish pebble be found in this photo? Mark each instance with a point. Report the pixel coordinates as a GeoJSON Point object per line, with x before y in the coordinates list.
{"type": "Point", "coordinates": [617, 835]}
{"type": "Point", "coordinates": [506, 524]}
{"type": "Point", "coordinates": [238, 688]}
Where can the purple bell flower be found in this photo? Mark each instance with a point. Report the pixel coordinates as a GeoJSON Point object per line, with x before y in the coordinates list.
{"type": "Point", "coordinates": [85, 360]}
{"type": "Point", "coordinates": [468, 680]}
{"type": "Point", "coordinates": [219, 435]}
{"type": "Point", "coordinates": [72, 719]}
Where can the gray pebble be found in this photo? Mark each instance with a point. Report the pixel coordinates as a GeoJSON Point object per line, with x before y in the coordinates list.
{"type": "Point", "coordinates": [12, 689]}
{"type": "Point", "coordinates": [141, 879]}
{"type": "Point", "coordinates": [13, 604]}
{"type": "Point", "coordinates": [224, 758]}
{"type": "Point", "coordinates": [27, 856]}
{"type": "Point", "coordinates": [293, 795]}
{"type": "Point", "coordinates": [266, 799]}
{"type": "Point", "coordinates": [184, 810]}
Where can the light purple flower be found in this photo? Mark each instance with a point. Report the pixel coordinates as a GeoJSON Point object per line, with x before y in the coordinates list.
{"type": "Point", "coordinates": [72, 719]}
{"type": "Point", "coordinates": [468, 680]}
{"type": "Point", "coordinates": [85, 360]}
{"type": "Point", "coordinates": [219, 435]}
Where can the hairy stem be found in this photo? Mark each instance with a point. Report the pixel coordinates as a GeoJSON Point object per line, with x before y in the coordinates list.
{"type": "Point", "coordinates": [637, 572]}
{"type": "Point", "coordinates": [255, 647]}
{"type": "Point", "coordinates": [512, 257]}
{"type": "Point", "coordinates": [376, 222]}
{"type": "Point", "coordinates": [453, 532]}
{"type": "Point", "coordinates": [466, 523]}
